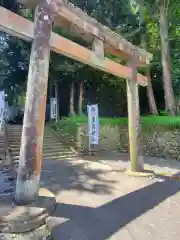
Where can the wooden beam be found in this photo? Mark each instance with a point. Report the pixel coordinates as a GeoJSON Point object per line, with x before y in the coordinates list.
{"type": "Point", "coordinates": [87, 26]}
{"type": "Point", "coordinates": [23, 28]}
{"type": "Point", "coordinates": [134, 120]}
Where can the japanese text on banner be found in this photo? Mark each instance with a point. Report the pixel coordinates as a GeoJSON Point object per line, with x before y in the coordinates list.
{"type": "Point", "coordinates": [93, 124]}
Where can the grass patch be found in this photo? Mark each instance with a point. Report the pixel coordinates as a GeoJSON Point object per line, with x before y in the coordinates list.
{"type": "Point", "coordinates": [147, 121]}
{"type": "Point", "coordinates": [102, 120]}
{"type": "Point", "coordinates": [161, 120]}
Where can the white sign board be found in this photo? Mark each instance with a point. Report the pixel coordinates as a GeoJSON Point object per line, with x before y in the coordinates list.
{"type": "Point", "coordinates": [93, 124]}
{"type": "Point", "coordinates": [53, 108]}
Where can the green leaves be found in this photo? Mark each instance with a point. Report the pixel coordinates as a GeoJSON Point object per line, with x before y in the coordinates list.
{"type": "Point", "coordinates": [133, 19]}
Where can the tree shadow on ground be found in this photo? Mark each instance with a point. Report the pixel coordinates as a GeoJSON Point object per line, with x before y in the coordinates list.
{"type": "Point", "coordinates": [58, 175]}
{"type": "Point", "coordinates": [122, 160]}
{"type": "Point", "coordinates": [102, 222]}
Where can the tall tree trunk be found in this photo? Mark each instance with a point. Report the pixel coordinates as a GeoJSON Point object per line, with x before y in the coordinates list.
{"type": "Point", "coordinates": [57, 100]}
{"type": "Point", "coordinates": [150, 95]}
{"type": "Point", "coordinates": [80, 103]}
{"type": "Point", "coordinates": [71, 107]}
{"type": "Point", "coordinates": [50, 88]}
{"type": "Point", "coordinates": [149, 89]}
{"type": "Point", "coordinates": [166, 60]}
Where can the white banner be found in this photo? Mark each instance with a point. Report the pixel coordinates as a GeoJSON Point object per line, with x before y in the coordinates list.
{"type": "Point", "coordinates": [53, 108]}
{"type": "Point", "coordinates": [2, 106]}
{"type": "Point", "coordinates": [93, 124]}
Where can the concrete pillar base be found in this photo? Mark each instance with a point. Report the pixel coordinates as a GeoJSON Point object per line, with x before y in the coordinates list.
{"type": "Point", "coordinates": [144, 173]}
{"type": "Point", "coordinates": [20, 219]}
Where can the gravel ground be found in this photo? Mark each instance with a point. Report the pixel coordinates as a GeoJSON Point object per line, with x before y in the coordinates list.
{"type": "Point", "coordinates": [41, 233]}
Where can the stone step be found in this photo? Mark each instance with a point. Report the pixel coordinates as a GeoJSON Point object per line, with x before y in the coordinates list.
{"type": "Point", "coordinates": [20, 130]}
{"type": "Point", "coordinates": [16, 162]}
{"type": "Point", "coordinates": [21, 127]}
{"type": "Point", "coordinates": [48, 140]}
{"type": "Point", "coordinates": [56, 146]}
{"type": "Point", "coordinates": [15, 131]}
{"type": "Point", "coordinates": [13, 127]}
{"type": "Point", "coordinates": [19, 133]}
{"type": "Point", "coordinates": [45, 144]}
{"type": "Point", "coordinates": [58, 157]}
{"type": "Point", "coordinates": [15, 152]}
{"type": "Point", "coordinates": [12, 135]}
{"type": "Point", "coordinates": [46, 152]}
{"type": "Point", "coordinates": [19, 136]}
{"type": "Point", "coordinates": [53, 147]}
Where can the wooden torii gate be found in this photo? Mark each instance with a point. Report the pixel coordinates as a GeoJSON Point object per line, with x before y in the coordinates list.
{"type": "Point", "coordinates": [102, 40]}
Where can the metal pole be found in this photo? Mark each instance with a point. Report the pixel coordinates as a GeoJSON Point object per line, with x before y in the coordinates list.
{"type": "Point", "coordinates": [28, 178]}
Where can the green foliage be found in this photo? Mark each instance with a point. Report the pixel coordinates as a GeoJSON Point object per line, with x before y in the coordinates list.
{"type": "Point", "coordinates": [9, 4]}
{"type": "Point", "coordinates": [145, 121]}
{"type": "Point", "coordinates": [67, 127]}
{"type": "Point", "coordinates": [163, 113]}
{"type": "Point", "coordinates": [136, 20]}
{"type": "Point", "coordinates": [151, 18]}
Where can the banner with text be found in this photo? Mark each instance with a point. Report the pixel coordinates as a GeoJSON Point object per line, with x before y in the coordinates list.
{"type": "Point", "coordinates": [53, 108]}
{"type": "Point", "coordinates": [93, 124]}
{"type": "Point", "coordinates": [2, 96]}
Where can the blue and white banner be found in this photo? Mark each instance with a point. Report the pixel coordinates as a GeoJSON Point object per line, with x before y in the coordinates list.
{"type": "Point", "coordinates": [93, 124]}
{"type": "Point", "coordinates": [2, 105]}
{"type": "Point", "coordinates": [53, 112]}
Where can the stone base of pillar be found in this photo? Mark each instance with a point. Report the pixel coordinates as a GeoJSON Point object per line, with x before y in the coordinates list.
{"type": "Point", "coordinates": [143, 173]}
{"type": "Point", "coordinates": [21, 219]}
{"type": "Point", "coordinates": [93, 150]}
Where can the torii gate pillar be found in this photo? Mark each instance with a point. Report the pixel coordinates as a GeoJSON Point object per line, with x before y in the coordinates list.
{"type": "Point", "coordinates": [28, 178]}
{"type": "Point", "coordinates": [136, 158]}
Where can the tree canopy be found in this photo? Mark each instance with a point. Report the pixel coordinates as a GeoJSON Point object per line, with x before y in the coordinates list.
{"type": "Point", "coordinates": [136, 20]}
